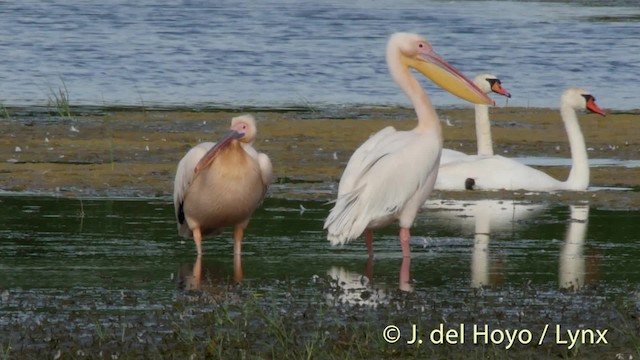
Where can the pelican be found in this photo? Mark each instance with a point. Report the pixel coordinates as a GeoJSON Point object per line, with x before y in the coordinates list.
{"type": "Point", "coordinates": [389, 176]}
{"type": "Point", "coordinates": [500, 173]}
{"type": "Point", "coordinates": [221, 184]}
{"type": "Point", "coordinates": [488, 83]}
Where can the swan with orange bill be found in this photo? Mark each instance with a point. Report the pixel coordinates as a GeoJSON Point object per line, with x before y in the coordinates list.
{"type": "Point", "coordinates": [500, 173]}
{"type": "Point", "coordinates": [388, 178]}
{"type": "Point", "coordinates": [489, 84]}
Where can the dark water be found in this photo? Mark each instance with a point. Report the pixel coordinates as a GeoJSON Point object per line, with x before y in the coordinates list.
{"type": "Point", "coordinates": [57, 247]}
{"type": "Point", "coordinates": [320, 53]}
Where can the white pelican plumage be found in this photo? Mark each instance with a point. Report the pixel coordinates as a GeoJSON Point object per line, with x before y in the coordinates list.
{"type": "Point", "coordinates": [221, 184]}
{"type": "Point", "coordinates": [500, 173]}
{"type": "Point", "coordinates": [489, 84]}
{"type": "Point", "coordinates": [389, 176]}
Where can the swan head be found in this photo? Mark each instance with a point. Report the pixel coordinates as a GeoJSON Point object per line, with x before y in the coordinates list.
{"type": "Point", "coordinates": [414, 51]}
{"type": "Point", "coordinates": [580, 99]}
{"type": "Point", "coordinates": [490, 83]}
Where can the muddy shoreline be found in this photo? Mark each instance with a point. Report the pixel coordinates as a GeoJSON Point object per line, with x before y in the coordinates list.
{"type": "Point", "coordinates": [133, 152]}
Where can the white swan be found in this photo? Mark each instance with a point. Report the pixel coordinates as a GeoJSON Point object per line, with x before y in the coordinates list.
{"type": "Point", "coordinates": [487, 83]}
{"type": "Point", "coordinates": [497, 172]}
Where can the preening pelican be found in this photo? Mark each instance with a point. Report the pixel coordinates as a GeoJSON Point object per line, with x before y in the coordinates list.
{"type": "Point", "coordinates": [487, 83]}
{"type": "Point", "coordinates": [497, 172]}
{"type": "Point", "coordinates": [389, 176]}
{"type": "Point", "coordinates": [221, 184]}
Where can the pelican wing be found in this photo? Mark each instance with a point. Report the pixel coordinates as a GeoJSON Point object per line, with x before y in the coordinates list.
{"type": "Point", "coordinates": [184, 177]}
{"type": "Point", "coordinates": [358, 161]}
{"type": "Point", "coordinates": [380, 178]}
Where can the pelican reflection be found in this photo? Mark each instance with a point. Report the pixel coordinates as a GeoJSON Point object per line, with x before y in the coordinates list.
{"type": "Point", "coordinates": [197, 276]}
{"type": "Point", "coordinates": [359, 289]}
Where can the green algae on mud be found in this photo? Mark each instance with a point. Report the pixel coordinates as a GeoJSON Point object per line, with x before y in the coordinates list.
{"type": "Point", "coordinates": [134, 151]}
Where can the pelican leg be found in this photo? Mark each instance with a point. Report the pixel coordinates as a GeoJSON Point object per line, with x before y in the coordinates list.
{"type": "Point", "coordinates": [368, 237]}
{"type": "Point", "coordinates": [197, 238]}
{"type": "Point", "coordinates": [238, 232]}
{"type": "Point", "coordinates": [197, 274]}
{"type": "Point", "coordinates": [405, 236]}
{"type": "Point", "coordinates": [237, 268]}
{"type": "Point", "coordinates": [405, 274]}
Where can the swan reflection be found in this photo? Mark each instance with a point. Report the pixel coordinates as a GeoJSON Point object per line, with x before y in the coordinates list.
{"type": "Point", "coordinates": [482, 217]}
{"type": "Point", "coordinates": [572, 269]}
{"type": "Point", "coordinates": [353, 288]}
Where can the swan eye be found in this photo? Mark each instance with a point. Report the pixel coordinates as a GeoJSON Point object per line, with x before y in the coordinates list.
{"type": "Point", "coordinates": [588, 97]}
{"type": "Point", "coordinates": [494, 81]}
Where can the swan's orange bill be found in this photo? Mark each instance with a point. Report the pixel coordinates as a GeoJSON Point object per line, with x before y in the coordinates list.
{"type": "Point", "coordinates": [497, 88]}
{"type": "Point", "coordinates": [591, 106]}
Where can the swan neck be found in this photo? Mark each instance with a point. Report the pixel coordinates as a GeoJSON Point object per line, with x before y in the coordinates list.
{"type": "Point", "coordinates": [579, 176]}
{"type": "Point", "coordinates": [483, 130]}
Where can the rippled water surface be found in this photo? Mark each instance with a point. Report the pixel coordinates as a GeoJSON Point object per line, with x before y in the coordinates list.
{"type": "Point", "coordinates": [70, 245]}
{"type": "Point", "coordinates": [283, 53]}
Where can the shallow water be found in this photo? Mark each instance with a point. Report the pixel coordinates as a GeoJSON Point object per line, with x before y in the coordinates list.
{"type": "Point", "coordinates": [97, 245]}
{"type": "Point", "coordinates": [111, 276]}
{"type": "Point", "coordinates": [283, 53]}
{"type": "Point", "coordinates": [555, 161]}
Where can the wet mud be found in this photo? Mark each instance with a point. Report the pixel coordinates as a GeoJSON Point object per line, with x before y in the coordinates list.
{"type": "Point", "coordinates": [134, 152]}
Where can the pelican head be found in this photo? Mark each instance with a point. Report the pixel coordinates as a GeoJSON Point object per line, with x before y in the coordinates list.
{"type": "Point", "coordinates": [416, 52]}
{"type": "Point", "coordinates": [245, 125]}
{"type": "Point", "coordinates": [243, 129]}
{"type": "Point", "coordinates": [580, 99]}
{"type": "Point", "coordinates": [490, 83]}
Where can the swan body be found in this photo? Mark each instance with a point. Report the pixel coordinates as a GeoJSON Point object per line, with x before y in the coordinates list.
{"type": "Point", "coordinates": [390, 175]}
{"type": "Point", "coordinates": [488, 83]}
{"type": "Point", "coordinates": [500, 173]}
{"type": "Point", "coordinates": [221, 184]}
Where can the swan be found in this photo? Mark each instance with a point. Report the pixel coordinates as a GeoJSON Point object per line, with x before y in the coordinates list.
{"type": "Point", "coordinates": [390, 175]}
{"type": "Point", "coordinates": [488, 83]}
{"type": "Point", "coordinates": [500, 173]}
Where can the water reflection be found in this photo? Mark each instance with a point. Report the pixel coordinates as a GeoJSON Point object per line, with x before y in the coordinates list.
{"type": "Point", "coordinates": [353, 288]}
{"type": "Point", "coordinates": [572, 269]}
{"type": "Point", "coordinates": [480, 264]}
{"type": "Point", "coordinates": [198, 277]}
{"type": "Point", "coordinates": [497, 217]}
{"type": "Point", "coordinates": [500, 216]}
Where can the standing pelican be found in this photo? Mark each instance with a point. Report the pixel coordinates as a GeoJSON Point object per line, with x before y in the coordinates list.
{"type": "Point", "coordinates": [487, 83]}
{"type": "Point", "coordinates": [389, 177]}
{"type": "Point", "coordinates": [220, 185]}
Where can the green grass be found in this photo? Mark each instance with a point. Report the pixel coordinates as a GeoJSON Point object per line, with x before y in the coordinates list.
{"type": "Point", "coordinates": [4, 113]}
{"type": "Point", "coordinates": [5, 351]}
{"type": "Point", "coordinates": [59, 101]}
{"type": "Point", "coordinates": [262, 322]}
